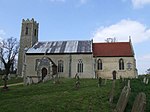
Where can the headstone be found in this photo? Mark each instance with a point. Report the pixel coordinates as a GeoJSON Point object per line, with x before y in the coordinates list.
{"type": "Point", "coordinates": [144, 80]}
{"type": "Point", "coordinates": [112, 92]}
{"type": "Point", "coordinates": [123, 99]}
{"type": "Point", "coordinates": [105, 82]}
{"type": "Point", "coordinates": [139, 103]}
{"type": "Point", "coordinates": [55, 79]}
{"type": "Point", "coordinates": [29, 80]}
{"type": "Point", "coordinates": [129, 83]}
{"type": "Point", "coordinates": [9, 77]}
{"type": "Point", "coordinates": [147, 81]}
{"type": "Point", "coordinates": [99, 81]}
{"type": "Point", "coordinates": [76, 76]}
{"type": "Point", "coordinates": [46, 78]}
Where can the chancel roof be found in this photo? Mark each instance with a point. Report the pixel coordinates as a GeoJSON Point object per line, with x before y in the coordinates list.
{"type": "Point", "coordinates": [113, 49]}
{"type": "Point", "coordinates": [54, 47]}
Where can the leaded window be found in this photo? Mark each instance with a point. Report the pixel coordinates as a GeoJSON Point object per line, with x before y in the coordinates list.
{"type": "Point", "coordinates": [60, 66]}
{"type": "Point", "coordinates": [121, 64]}
{"type": "Point", "coordinates": [80, 66]}
{"type": "Point", "coordinates": [99, 64]}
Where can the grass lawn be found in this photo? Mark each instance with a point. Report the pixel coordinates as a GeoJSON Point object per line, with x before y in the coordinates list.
{"type": "Point", "coordinates": [63, 97]}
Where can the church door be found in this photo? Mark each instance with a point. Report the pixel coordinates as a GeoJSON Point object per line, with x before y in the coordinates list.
{"type": "Point", "coordinates": [114, 75]}
{"type": "Point", "coordinates": [44, 72]}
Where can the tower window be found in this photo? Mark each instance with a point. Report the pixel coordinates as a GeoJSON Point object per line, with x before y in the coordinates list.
{"type": "Point", "coordinates": [60, 66]}
{"type": "Point", "coordinates": [27, 31]}
{"type": "Point", "coordinates": [121, 64]}
{"type": "Point", "coordinates": [80, 66]}
{"type": "Point", "coordinates": [99, 64]}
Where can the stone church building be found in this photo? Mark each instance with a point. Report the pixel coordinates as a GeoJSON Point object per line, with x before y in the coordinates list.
{"type": "Point", "coordinates": [40, 61]}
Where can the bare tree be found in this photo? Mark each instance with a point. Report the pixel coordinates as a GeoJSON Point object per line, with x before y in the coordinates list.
{"type": "Point", "coordinates": [148, 71]}
{"type": "Point", "coordinates": [8, 50]}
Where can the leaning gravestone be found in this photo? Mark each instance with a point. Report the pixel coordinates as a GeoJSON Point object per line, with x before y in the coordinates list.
{"type": "Point", "coordinates": [144, 80]}
{"type": "Point", "coordinates": [139, 103]}
{"type": "Point", "coordinates": [112, 92]}
{"type": "Point", "coordinates": [123, 99]}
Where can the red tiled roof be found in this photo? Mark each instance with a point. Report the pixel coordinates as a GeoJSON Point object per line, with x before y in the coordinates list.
{"type": "Point", "coordinates": [113, 49]}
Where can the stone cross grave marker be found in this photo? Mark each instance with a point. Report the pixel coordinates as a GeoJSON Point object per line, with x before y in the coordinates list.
{"type": "Point", "coordinates": [123, 99]}
{"type": "Point", "coordinates": [77, 84]}
{"type": "Point", "coordinates": [139, 103]}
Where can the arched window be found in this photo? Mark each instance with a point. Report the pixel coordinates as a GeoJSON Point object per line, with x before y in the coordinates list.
{"type": "Point", "coordinates": [60, 66]}
{"type": "Point", "coordinates": [80, 66]}
{"type": "Point", "coordinates": [99, 64]}
{"type": "Point", "coordinates": [26, 31]}
{"type": "Point", "coordinates": [121, 64]}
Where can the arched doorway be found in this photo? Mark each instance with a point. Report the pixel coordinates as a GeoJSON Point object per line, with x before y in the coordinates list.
{"type": "Point", "coordinates": [44, 72]}
{"type": "Point", "coordinates": [114, 75]}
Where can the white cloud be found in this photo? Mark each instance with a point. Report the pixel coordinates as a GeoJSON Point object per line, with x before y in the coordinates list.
{"type": "Point", "coordinates": [122, 30]}
{"type": "Point", "coordinates": [140, 3]}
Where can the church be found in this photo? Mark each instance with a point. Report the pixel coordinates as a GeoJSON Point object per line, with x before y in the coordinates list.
{"type": "Point", "coordinates": [40, 61]}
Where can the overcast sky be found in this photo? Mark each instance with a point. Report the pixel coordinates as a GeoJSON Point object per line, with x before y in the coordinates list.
{"type": "Point", "coordinates": [83, 20]}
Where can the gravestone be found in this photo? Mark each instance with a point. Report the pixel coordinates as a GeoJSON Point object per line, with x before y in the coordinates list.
{"type": "Point", "coordinates": [46, 78]}
{"type": "Point", "coordinates": [112, 92]}
{"type": "Point", "coordinates": [99, 81]}
{"type": "Point", "coordinates": [123, 99]}
{"type": "Point", "coordinates": [139, 103]}
{"type": "Point", "coordinates": [105, 82]}
{"type": "Point", "coordinates": [29, 80]}
{"type": "Point", "coordinates": [147, 81]}
{"type": "Point", "coordinates": [55, 78]}
{"type": "Point", "coordinates": [144, 80]}
{"type": "Point", "coordinates": [9, 77]}
{"type": "Point", "coordinates": [129, 83]}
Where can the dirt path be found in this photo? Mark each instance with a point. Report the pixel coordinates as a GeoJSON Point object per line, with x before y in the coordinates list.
{"type": "Point", "coordinates": [13, 84]}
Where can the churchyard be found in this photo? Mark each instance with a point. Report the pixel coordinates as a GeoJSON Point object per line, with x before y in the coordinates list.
{"type": "Point", "coordinates": [79, 95]}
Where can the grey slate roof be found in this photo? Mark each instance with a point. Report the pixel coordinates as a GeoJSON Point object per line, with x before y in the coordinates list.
{"type": "Point", "coordinates": [53, 47]}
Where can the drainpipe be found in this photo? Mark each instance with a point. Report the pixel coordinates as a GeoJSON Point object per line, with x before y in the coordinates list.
{"type": "Point", "coordinates": [70, 63]}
